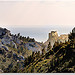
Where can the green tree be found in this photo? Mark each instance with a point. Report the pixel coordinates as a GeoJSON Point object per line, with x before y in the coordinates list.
{"type": "Point", "coordinates": [43, 51]}
{"type": "Point", "coordinates": [49, 47]}
{"type": "Point", "coordinates": [38, 53]}
{"type": "Point", "coordinates": [55, 44]}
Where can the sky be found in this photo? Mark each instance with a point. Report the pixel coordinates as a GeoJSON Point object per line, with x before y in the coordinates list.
{"type": "Point", "coordinates": [37, 14]}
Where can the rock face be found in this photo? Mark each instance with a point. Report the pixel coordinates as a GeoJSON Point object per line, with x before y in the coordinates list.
{"type": "Point", "coordinates": [7, 39]}
{"type": "Point", "coordinates": [53, 37]}
{"type": "Point", "coordinates": [14, 50]}
{"type": "Point", "coordinates": [34, 46]}
{"type": "Point", "coordinates": [4, 31]}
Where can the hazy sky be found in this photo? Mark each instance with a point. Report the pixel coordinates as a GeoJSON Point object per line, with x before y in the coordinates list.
{"type": "Point", "coordinates": [37, 13]}
{"type": "Point", "coordinates": [37, 18]}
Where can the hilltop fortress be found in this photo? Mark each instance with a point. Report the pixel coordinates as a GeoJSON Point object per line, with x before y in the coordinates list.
{"type": "Point", "coordinates": [53, 37]}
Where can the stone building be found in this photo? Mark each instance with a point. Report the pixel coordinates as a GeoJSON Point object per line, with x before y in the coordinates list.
{"type": "Point", "coordinates": [62, 38]}
{"type": "Point", "coordinates": [53, 37]}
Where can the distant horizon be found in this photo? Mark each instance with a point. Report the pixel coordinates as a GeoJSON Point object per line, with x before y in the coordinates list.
{"type": "Point", "coordinates": [39, 34]}
{"type": "Point", "coordinates": [37, 18]}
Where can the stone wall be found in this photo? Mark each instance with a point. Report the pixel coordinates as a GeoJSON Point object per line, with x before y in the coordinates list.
{"type": "Point", "coordinates": [53, 37]}
{"type": "Point", "coordinates": [63, 38]}
{"type": "Point", "coordinates": [53, 34]}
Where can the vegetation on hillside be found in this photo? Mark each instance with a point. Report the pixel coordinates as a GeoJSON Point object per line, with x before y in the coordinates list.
{"type": "Point", "coordinates": [59, 59]}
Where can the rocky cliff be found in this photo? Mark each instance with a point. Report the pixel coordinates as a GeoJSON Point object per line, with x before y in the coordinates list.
{"type": "Point", "coordinates": [14, 50]}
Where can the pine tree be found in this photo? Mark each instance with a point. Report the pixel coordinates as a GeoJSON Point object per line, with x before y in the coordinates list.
{"type": "Point", "coordinates": [49, 47]}
{"type": "Point", "coordinates": [18, 35]}
{"type": "Point", "coordinates": [72, 38]}
{"type": "Point", "coordinates": [38, 54]}
{"type": "Point", "coordinates": [43, 51]}
{"type": "Point", "coordinates": [55, 44]}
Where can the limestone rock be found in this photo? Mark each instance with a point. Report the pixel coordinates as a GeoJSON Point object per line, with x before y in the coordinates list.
{"type": "Point", "coordinates": [4, 31]}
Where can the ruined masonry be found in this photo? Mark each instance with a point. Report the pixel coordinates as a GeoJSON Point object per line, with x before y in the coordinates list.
{"type": "Point", "coordinates": [53, 37]}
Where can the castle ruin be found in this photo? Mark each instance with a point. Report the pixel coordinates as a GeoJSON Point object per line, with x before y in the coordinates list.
{"type": "Point", "coordinates": [53, 37]}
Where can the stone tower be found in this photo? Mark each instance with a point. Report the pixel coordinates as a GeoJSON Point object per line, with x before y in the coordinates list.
{"type": "Point", "coordinates": [53, 36]}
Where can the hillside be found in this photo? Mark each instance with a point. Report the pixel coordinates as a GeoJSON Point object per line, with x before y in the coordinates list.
{"type": "Point", "coordinates": [14, 49]}
{"type": "Point", "coordinates": [20, 54]}
{"type": "Point", "coordinates": [61, 59]}
{"type": "Point", "coordinates": [57, 62]}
